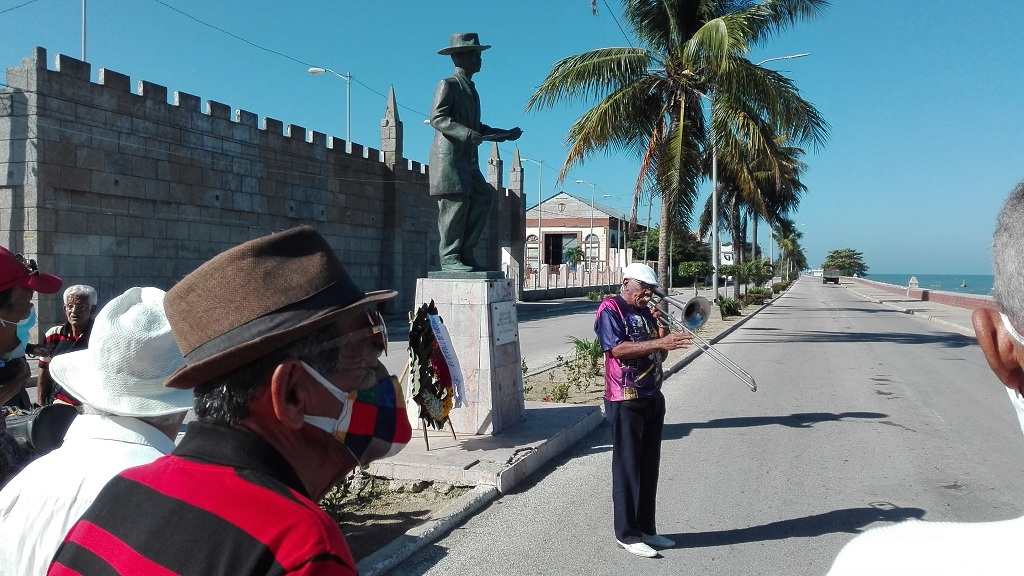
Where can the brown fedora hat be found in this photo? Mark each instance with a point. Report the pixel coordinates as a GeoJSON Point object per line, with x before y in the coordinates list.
{"type": "Point", "coordinates": [255, 298]}
{"type": "Point", "coordinates": [463, 42]}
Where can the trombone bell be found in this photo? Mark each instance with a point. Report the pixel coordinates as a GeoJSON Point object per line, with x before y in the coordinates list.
{"type": "Point", "coordinates": [696, 312]}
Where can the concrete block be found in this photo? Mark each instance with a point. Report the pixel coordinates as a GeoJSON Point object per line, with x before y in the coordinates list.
{"type": "Point", "coordinates": [115, 80]}
{"type": "Point", "coordinates": [187, 101]}
{"type": "Point", "coordinates": [218, 110]}
{"type": "Point", "coordinates": [71, 68]}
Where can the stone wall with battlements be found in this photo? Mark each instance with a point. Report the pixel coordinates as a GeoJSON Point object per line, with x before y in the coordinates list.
{"type": "Point", "coordinates": [115, 187]}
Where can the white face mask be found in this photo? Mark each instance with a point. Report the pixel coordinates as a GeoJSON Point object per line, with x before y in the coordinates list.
{"type": "Point", "coordinates": [1015, 397]}
{"type": "Point", "coordinates": [372, 424]}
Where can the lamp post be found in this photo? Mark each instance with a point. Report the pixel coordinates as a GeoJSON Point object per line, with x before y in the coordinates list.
{"type": "Point", "coordinates": [540, 212]}
{"type": "Point", "coordinates": [593, 191]}
{"type": "Point", "coordinates": [348, 101]}
{"type": "Point", "coordinates": [618, 229]}
{"type": "Point", "coordinates": [714, 181]}
{"type": "Point", "coordinates": [83, 32]}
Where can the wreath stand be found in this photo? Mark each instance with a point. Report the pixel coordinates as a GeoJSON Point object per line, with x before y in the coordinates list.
{"type": "Point", "coordinates": [423, 421]}
{"type": "Point", "coordinates": [427, 440]}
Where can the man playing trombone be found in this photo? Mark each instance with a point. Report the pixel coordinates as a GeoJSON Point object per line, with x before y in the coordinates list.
{"type": "Point", "coordinates": [635, 342]}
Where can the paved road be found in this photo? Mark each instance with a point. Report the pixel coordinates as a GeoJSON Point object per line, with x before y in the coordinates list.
{"type": "Point", "coordinates": [863, 415]}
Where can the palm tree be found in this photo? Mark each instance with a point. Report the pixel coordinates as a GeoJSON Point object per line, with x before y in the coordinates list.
{"type": "Point", "coordinates": [650, 96]}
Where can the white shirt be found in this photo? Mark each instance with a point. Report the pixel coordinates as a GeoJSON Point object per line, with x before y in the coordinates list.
{"type": "Point", "coordinates": [41, 503]}
{"type": "Point", "coordinates": [935, 548]}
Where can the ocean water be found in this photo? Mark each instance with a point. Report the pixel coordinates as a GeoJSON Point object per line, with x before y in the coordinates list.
{"type": "Point", "coordinates": [966, 283]}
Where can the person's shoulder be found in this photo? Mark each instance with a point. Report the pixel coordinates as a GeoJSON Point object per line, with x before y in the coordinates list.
{"type": "Point", "coordinates": [55, 331]}
{"type": "Point", "coordinates": [921, 547]}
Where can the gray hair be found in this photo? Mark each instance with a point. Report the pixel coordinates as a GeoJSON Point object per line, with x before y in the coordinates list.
{"type": "Point", "coordinates": [81, 290]}
{"type": "Point", "coordinates": [1008, 256]}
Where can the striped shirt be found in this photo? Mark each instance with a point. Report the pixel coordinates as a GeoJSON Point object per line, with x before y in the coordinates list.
{"type": "Point", "coordinates": [224, 502]}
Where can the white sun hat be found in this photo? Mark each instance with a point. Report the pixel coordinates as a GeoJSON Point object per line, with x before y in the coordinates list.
{"type": "Point", "coordinates": [641, 272]}
{"type": "Point", "coordinates": [131, 352]}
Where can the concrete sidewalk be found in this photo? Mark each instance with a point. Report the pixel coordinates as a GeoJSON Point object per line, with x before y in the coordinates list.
{"type": "Point", "coordinates": [950, 317]}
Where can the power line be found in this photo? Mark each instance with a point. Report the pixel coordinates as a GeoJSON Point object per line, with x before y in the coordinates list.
{"type": "Point", "coordinates": [272, 51]}
{"type": "Point", "coordinates": [18, 6]}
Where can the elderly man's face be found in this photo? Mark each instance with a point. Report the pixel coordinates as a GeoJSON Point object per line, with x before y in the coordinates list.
{"type": "Point", "coordinates": [363, 340]}
{"type": "Point", "coordinates": [636, 293]}
{"type": "Point", "coordinates": [79, 311]}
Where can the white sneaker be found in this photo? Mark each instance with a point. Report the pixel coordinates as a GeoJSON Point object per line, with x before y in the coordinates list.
{"type": "Point", "coordinates": [639, 549]}
{"type": "Point", "coordinates": [658, 541]}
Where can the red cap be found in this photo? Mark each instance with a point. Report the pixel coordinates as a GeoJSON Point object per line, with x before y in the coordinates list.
{"type": "Point", "coordinates": [16, 270]}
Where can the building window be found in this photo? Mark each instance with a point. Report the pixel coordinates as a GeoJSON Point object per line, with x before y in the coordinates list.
{"type": "Point", "coordinates": [531, 238]}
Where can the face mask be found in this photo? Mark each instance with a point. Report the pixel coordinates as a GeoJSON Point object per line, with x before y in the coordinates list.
{"type": "Point", "coordinates": [372, 424]}
{"type": "Point", "coordinates": [24, 326]}
{"type": "Point", "coordinates": [1015, 397]}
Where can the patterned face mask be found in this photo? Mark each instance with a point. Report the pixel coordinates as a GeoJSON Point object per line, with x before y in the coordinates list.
{"type": "Point", "coordinates": [372, 424]}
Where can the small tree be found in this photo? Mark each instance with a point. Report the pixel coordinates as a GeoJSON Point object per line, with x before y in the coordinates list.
{"type": "Point", "coordinates": [734, 270]}
{"type": "Point", "coordinates": [695, 270]}
{"type": "Point", "coordinates": [848, 261]}
{"type": "Point", "coordinates": [573, 256]}
{"type": "Point", "coordinates": [759, 271]}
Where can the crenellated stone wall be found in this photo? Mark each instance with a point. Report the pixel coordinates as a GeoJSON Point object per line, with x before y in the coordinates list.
{"type": "Point", "coordinates": [115, 188]}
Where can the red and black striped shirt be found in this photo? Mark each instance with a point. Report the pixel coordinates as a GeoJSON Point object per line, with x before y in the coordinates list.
{"type": "Point", "coordinates": [224, 502]}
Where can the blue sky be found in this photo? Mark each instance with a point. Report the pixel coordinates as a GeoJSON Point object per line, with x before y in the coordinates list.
{"type": "Point", "coordinates": [923, 97]}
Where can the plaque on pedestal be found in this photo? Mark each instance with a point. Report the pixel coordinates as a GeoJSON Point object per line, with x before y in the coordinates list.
{"type": "Point", "coordinates": [480, 316]}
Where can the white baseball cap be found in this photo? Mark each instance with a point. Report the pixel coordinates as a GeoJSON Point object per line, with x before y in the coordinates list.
{"type": "Point", "coordinates": [641, 272]}
{"type": "Point", "coordinates": [131, 352]}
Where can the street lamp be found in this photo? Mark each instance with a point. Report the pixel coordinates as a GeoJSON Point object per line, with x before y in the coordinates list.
{"type": "Point", "coordinates": [540, 212]}
{"type": "Point", "coordinates": [315, 71]}
{"type": "Point", "coordinates": [714, 181]}
{"type": "Point", "coordinates": [618, 228]}
{"type": "Point", "coordinates": [593, 189]}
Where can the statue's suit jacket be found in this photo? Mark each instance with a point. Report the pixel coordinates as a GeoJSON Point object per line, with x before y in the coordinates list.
{"type": "Point", "coordinates": [454, 163]}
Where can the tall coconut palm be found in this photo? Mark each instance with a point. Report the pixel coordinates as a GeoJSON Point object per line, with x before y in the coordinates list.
{"type": "Point", "coordinates": [650, 96]}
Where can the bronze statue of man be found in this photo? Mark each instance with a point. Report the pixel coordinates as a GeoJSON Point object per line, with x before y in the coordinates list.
{"type": "Point", "coordinates": [463, 195]}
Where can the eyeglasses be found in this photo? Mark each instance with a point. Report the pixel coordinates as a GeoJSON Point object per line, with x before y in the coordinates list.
{"type": "Point", "coordinates": [644, 285]}
{"type": "Point", "coordinates": [374, 335]}
{"type": "Point", "coordinates": [27, 263]}
{"type": "Point", "coordinates": [81, 306]}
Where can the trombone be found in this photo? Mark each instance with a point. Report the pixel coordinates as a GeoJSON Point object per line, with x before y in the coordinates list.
{"type": "Point", "coordinates": [696, 312]}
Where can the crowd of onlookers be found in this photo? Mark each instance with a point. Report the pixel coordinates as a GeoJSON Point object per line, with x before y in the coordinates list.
{"type": "Point", "coordinates": [276, 350]}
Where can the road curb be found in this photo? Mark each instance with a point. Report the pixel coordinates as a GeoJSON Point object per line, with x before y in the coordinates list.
{"type": "Point", "coordinates": [439, 524]}
{"type": "Point", "coordinates": [945, 323]}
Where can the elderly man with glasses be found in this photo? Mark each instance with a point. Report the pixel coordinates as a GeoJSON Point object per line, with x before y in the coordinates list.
{"type": "Point", "coordinates": [635, 343]}
{"type": "Point", "coordinates": [79, 305]}
{"type": "Point", "coordinates": [282, 349]}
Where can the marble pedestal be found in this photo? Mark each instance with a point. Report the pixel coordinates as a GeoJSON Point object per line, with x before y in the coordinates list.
{"type": "Point", "coordinates": [481, 318]}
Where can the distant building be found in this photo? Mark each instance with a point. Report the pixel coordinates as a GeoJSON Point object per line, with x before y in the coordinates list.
{"type": "Point", "coordinates": [565, 221]}
{"type": "Point", "coordinates": [725, 255]}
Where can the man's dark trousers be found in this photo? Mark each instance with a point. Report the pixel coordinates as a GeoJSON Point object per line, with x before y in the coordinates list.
{"type": "Point", "coordinates": [636, 458]}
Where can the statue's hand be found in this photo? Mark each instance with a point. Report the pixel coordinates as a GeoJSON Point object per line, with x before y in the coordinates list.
{"type": "Point", "coordinates": [515, 133]}
{"type": "Point", "coordinates": [475, 138]}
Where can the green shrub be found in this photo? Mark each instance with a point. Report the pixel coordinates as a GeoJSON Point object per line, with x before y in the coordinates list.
{"type": "Point", "coordinates": [778, 287]}
{"type": "Point", "coordinates": [730, 307]}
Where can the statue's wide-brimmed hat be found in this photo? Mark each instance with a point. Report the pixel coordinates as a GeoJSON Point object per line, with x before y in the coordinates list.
{"type": "Point", "coordinates": [256, 298]}
{"type": "Point", "coordinates": [464, 42]}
